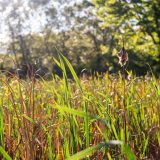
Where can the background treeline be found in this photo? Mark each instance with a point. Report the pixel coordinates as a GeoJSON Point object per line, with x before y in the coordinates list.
{"type": "Point", "coordinates": [88, 33]}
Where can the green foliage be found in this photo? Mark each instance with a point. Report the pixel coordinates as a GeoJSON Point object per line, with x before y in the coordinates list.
{"type": "Point", "coordinates": [89, 34]}
{"type": "Point", "coordinates": [89, 151]}
{"type": "Point", "coordinates": [4, 154]}
{"type": "Point", "coordinates": [136, 21]}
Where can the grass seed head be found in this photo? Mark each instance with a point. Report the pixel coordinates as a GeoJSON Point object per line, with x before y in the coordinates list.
{"type": "Point", "coordinates": [123, 57]}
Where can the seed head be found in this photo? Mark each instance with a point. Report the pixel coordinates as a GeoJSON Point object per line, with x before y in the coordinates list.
{"type": "Point", "coordinates": [123, 57]}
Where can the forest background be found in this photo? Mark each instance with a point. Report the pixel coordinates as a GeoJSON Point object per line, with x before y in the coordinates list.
{"type": "Point", "coordinates": [88, 33]}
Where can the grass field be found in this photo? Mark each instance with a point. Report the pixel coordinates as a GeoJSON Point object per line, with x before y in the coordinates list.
{"type": "Point", "coordinates": [81, 118]}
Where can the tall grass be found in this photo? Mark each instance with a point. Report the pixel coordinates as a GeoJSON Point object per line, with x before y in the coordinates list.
{"type": "Point", "coordinates": [79, 118]}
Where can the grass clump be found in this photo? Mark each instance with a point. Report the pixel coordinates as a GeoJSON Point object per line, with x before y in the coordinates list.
{"type": "Point", "coordinates": [79, 118]}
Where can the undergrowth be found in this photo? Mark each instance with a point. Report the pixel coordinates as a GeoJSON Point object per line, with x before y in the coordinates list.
{"type": "Point", "coordinates": [79, 118]}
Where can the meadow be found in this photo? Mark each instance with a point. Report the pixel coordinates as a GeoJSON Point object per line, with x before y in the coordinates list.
{"type": "Point", "coordinates": [87, 117]}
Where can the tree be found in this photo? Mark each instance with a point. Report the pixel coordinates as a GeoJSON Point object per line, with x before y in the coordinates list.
{"type": "Point", "coordinates": [80, 35]}
{"type": "Point", "coordinates": [138, 20]}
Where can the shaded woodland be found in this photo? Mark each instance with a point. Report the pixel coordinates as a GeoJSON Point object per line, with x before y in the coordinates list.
{"type": "Point", "coordinates": [88, 33]}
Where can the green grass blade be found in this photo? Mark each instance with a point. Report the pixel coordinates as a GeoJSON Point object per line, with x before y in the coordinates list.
{"type": "Point", "coordinates": [89, 151]}
{"type": "Point", "coordinates": [5, 154]}
{"type": "Point", "coordinates": [145, 146]}
{"type": "Point", "coordinates": [1, 128]}
{"type": "Point", "coordinates": [72, 111]}
{"type": "Point", "coordinates": [128, 152]}
{"type": "Point", "coordinates": [72, 72]}
{"type": "Point", "coordinates": [28, 118]}
{"type": "Point", "coordinates": [58, 64]}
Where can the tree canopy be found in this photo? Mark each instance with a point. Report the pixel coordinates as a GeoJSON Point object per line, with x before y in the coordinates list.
{"type": "Point", "coordinates": [88, 33]}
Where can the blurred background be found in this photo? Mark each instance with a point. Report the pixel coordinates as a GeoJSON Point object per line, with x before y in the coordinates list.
{"type": "Point", "coordinates": [88, 32]}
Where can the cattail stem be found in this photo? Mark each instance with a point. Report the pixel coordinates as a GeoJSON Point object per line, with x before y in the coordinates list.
{"type": "Point", "coordinates": [124, 102]}
{"type": "Point", "coordinates": [123, 58]}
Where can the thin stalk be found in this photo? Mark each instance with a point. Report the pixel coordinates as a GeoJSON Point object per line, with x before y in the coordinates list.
{"type": "Point", "coordinates": [124, 102]}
